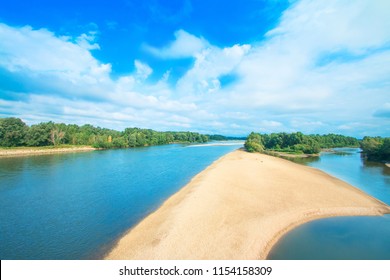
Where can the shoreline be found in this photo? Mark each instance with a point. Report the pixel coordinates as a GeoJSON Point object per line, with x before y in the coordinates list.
{"type": "Point", "coordinates": [239, 207]}
{"type": "Point", "coordinates": [32, 151]}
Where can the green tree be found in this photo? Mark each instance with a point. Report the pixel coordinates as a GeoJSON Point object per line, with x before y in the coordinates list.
{"type": "Point", "coordinates": [297, 142]}
{"type": "Point", "coordinates": [376, 148]}
{"type": "Point", "coordinates": [12, 132]}
{"type": "Point", "coordinates": [133, 140]}
{"type": "Point", "coordinates": [56, 136]}
{"type": "Point", "coordinates": [120, 142]}
{"type": "Point", "coordinates": [385, 149]}
{"type": "Point", "coordinates": [141, 139]}
{"type": "Point", "coordinates": [39, 134]}
{"type": "Point", "coordinates": [254, 143]}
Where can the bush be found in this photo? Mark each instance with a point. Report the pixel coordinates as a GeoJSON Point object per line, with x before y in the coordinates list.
{"type": "Point", "coordinates": [252, 146]}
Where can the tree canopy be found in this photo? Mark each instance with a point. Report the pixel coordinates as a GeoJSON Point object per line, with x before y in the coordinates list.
{"type": "Point", "coordinates": [14, 132]}
{"type": "Point", "coordinates": [297, 142]}
{"type": "Point", "coordinates": [376, 148]}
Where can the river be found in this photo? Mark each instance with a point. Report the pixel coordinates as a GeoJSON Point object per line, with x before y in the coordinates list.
{"type": "Point", "coordinates": [343, 237]}
{"type": "Point", "coordinates": [76, 205]}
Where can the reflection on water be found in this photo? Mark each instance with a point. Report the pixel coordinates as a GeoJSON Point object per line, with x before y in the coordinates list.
{"type": "Point", "coordinates": [343, 237]}
{"type": "Point", "coordinates": [385, 170]}
{"type": "Point", "coordinates": [306, 160]}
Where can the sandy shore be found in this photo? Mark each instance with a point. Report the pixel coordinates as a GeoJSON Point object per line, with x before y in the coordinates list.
{"type": "Point", "coordinates": [239, 207]}
{"type": "Point", "coordinates": [14, 152]}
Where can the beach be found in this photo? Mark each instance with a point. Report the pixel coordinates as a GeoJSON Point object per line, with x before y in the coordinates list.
{"type": "Point", "coordinates": [26, 151]}
{"type": "Point", "coordinates": [239, 207]}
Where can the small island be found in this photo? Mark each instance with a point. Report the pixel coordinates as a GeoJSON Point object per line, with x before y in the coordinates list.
{"type": "Point", "coordinates": [296, 143]}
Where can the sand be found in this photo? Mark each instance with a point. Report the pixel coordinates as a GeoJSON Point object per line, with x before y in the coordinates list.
{"type": "Point", "coordinates": [238, 208]}
{"type": "Point", "coordinates": [15, 152]}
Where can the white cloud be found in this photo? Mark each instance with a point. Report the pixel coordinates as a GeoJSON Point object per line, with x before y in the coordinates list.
{"type": "Point", "coordinates": [184, 45]}
{"type": "Point", "coordinates": [66, 83]}
{"type": "Point", "coordinates": [331, 25]}
{"type": "Point", "coordinates": [283, 76]}
{"type": "Point", "coordinates": [87, 41]}
{"type": "Point", "coordinates": [142, 70]}
{"type": "Point", "coordinates": [41, 50]}
{"type": "Point", "coordinates": [209, 65]}
{"type": "Point", "coordinates": [268, 123]}
{"type": "Point", "coordinates": [46, 63]}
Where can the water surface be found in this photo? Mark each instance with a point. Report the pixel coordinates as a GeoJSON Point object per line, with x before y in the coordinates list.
{"type": "Point", "coordinates": [75, 206]}
{"type": "Point", "coordinates": [343, 237]}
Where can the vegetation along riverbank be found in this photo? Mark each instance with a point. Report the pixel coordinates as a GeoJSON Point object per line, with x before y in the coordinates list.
{"type": "Point", "coordinates": [15, 133]}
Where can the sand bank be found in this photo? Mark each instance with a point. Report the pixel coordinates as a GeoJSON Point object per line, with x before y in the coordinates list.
{"type": "Point", "coordinates": [239, 207]}
{"type": "Point", "coordinates": [13, 152]}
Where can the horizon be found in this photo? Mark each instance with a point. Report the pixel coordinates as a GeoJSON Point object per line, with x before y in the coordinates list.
{"type": "Point", "coordinates": [211, 67]}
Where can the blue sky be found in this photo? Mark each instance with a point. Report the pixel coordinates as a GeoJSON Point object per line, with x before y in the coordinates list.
{"type": "Point", "coordinates": [228, 67]}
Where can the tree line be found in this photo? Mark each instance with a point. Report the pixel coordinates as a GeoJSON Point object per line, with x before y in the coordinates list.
{"type": "Point", "coordinates": [297, 142]}
{"type": "Point", "coordinates": [15, 133]}
{"type": "Point", "coordinates": [376, 148]}
{"type": "Point", "coordinates": [218, 137]}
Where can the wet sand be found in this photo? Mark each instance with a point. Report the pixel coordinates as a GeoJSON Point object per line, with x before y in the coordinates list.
{"type": "Point", "coordinates": [239, 207]}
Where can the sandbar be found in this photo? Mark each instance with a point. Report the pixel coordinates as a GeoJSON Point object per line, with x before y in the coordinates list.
{"type": "Point", "coordinates": [26, 151]}
{"type": "Point", "coordinates": [238, 208]}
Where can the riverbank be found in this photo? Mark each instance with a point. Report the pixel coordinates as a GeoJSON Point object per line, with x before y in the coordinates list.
{"type": "Point", "coordinates": [239, 207]}
{"type": "Point", "coordinates": [30, 151]}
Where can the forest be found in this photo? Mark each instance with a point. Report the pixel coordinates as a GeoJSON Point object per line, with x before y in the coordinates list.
{"type": "Point", "coordinates": [297, 142]}
{"type": "Point", "coordinates": [15, 133]}
{"type": "Point", "coordinates": [376, 148]}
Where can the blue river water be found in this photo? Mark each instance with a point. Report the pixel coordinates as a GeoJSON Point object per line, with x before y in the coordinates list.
{"type": "Point", "coordinates": [75, 206]}
{"type": "Point", "coordinates": [343, 237]}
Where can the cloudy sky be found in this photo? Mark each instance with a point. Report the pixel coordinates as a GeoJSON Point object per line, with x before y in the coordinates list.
{"type": "Point", "coordinates": [215, 66]}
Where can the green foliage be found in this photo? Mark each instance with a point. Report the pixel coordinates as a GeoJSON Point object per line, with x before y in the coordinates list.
{"type": "Point", "coordinates": [218, 137]}
{"type": "Point", "coordinates": [254, 143]}
{"type": "Point", "coordinates": [376, 148]}
{"type": "Point", "coordinates": [39, 134]}
{"type": "Point", "coordinates": [120, 142]}
{"type": "Point", "coordinates": [14, 132]}
{"type": "Point", "coordinates": [297, 142]}
{"type": "Point", "coordinates": [56, 136]}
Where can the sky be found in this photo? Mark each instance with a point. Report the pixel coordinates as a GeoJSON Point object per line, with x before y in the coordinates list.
{"type": "Point", "coordinates": [215, 66]}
